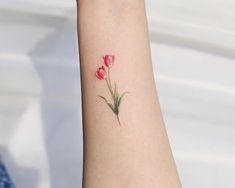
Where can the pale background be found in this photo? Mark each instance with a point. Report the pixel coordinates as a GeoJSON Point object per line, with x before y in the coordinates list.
{"type": "Point", "coordinates": [193, 48]}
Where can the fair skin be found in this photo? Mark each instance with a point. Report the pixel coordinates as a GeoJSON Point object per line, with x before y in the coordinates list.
{"type": "Point", "coordinates": [135, 153]}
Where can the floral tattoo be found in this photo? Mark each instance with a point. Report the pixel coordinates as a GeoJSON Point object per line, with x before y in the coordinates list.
{"type": "Point", "coordinates": [103, 73]}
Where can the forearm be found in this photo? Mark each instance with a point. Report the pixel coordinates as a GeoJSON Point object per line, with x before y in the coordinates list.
{"type": "Point", "coordinates": [135, 151]}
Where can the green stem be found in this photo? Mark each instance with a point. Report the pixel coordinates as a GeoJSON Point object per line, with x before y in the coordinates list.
{"type": "Point", "coordinates": [119, 120]}
{"type": "Point", "coordinates": [110, 88]}
{"type": "Point", "coordinates": [109, 84]}
{"type": "Point", "coordinates": [111, 92]}
{"type": "Point", "coordinates": [109, 78]}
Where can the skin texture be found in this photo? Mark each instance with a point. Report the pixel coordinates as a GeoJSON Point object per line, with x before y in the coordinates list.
{"type": "Point", "coordinates": [136, 154]}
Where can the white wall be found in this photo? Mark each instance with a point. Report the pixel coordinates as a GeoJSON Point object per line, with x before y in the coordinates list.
{"type": "Point", "coordinates": [40, 115]}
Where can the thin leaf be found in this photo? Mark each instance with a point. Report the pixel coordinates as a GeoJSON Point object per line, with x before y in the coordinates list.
{"type": "Point", "coordinates": [116, 109]}
{"type": "Point", "coordinates": [116, 95]}
{"type": "Point", "coordinates": [116, 99]}
{"type": "Point", "coordinates": [109, 104]}
{"type": "Point", "coordinates": [120, 98]}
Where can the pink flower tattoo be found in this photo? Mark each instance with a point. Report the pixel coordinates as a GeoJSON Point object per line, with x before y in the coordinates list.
{"type": "Point", "coordinates": [103, 73]}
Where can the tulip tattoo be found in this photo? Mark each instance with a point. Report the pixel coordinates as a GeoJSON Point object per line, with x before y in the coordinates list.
{"type": "Point", "coordinates": [103, 73]}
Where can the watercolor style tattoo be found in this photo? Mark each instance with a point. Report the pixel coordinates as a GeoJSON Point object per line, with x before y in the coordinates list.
{"type": "Point", "coordinates": [103, 73]}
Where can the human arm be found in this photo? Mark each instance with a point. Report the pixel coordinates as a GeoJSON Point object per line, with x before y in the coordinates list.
{"type": "Point", "coordinates": [135, 152]}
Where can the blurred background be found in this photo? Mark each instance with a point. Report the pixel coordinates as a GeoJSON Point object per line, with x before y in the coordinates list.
{"type": "Point", "coordinates": [193, 49]}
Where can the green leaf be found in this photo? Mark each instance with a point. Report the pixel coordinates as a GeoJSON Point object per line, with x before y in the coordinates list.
{"type": "Point", "coordinates": [116, 95]}
{"type": "Point", "coordinates": [109, 104]}
{"type": "Point", "coordinates": [120, 98]}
